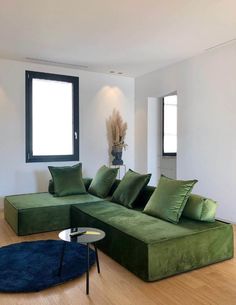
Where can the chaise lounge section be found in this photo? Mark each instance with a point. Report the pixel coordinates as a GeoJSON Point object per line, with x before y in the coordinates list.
{"type": "Point", "coordinates": [153, 248]}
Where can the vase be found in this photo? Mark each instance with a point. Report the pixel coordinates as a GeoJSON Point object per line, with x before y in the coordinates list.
{"type": "Point", "coordinates": [117, 154]}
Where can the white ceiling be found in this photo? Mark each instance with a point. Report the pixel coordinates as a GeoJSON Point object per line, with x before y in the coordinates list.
{"type": "Point", "coordinates": [131, 36]}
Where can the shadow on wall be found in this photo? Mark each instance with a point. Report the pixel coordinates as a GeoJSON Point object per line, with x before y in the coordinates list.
{"type": "Point", "coordinates": [42, 179]}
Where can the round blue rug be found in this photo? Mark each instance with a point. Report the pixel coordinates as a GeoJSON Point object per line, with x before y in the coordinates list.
{"type": "Point", "coordinates": [33, 266]}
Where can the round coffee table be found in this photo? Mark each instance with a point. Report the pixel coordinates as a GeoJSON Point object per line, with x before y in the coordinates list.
{"type": "Point", "coordinates": [86, 236]}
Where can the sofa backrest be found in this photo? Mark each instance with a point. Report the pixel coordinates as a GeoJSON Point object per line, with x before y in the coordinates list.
{"type": "Point", "coordinates": [140, 202]}
{"type": "Point", "coordinates": [114, 186]}
{"type": "Point", "coordinates": [144, 196]}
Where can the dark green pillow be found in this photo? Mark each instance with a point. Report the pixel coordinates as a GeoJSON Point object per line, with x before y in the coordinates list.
{"type": "Point", "coordinates": [200, 208]}
{"type": "Point", "coordinates": [67, 180]}
{"type": "Point", "coordinates": [129, 188]}
{"type": "Point", "coordinates": [169, 199]}
{"type": "Point", "coordinates": [103, 181]}
{"type": "Point", "coordinates": [87, 182]}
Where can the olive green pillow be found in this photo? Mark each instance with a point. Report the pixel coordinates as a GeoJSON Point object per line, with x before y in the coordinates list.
{"type": "Point", "coordinates": [169, 199]}
{"type": "Point", "coordinates": [67, 180]}
{"type": "Point", "coordinates": [103, 181]}
{"type": "Point", "coordinates": [200, 208]}
{"type": "Point", "coordinates": [129, 188]}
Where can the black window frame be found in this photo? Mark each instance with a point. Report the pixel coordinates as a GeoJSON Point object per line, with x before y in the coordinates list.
{"type": "Point", "coordinates": [165, 154]}
{"type": "Point", "coordinates": [29, 76]}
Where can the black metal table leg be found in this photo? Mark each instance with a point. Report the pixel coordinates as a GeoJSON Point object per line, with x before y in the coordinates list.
{"type": "Point", "coordinates": [88, 237]}
{"type": "Point", "coordinates": [62, 256]}
{"type": "Point", "coordinates": [87, 273]}
{"type": "Point", "coordinates": [97, 260]}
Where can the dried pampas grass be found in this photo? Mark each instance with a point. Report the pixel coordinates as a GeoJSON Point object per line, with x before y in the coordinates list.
{"type": "Point", "coordinates": [118, 129]}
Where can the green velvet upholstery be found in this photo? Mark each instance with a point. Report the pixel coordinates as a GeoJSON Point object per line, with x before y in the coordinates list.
{"type": "Point", "coordinates": [103, 181]}
{"type": "Point", "coordinates": [200, 208]}
{"type": "Point", "coordinates": [51, 187]}
{"type": "Point", "coordinates": [153, 248]}
{"type": "Point", "coordinates": [87, 182]}
{"type": "Point", "coordinates": [114, 187]}
{"type": "Point", "coordinates": [41, 212]}
{"type": "Point", "coordinates": [143, 197]}
{"type": "Point", "coordinates": [169, 199]}
{"type": "Point", "coordinates": [129, 188]}
{"type": "Point", "coordinates": [149, 247]}
{"type": "Point", "coordinates": [67, 180]}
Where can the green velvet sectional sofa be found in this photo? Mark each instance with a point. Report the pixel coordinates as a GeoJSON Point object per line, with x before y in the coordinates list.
{"type": "Point", "coordinates": [149, 247]}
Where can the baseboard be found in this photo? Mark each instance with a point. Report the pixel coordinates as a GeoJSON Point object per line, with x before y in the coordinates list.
{"type": "Point", "coordinates": [226, 220]}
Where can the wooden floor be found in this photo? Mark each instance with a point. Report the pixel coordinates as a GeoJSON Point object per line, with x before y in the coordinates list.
{"type": "Point", "coordinates": [213, 285]}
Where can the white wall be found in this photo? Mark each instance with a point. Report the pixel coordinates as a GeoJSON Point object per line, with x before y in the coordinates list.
{"type": "Point", "coordinates": [206, 87]}
{"type": "Point", "coordinates": [99, 95]}
{"type": "Point", "coordinates": [168, 166]}
{"type": "Point", "coordinates": [153, 139]}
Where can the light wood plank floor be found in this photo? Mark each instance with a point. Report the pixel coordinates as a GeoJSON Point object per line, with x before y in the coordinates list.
{"type": "Point", "coordinates": [213, 285]}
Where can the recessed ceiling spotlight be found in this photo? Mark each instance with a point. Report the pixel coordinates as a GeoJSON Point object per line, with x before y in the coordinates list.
{"type": "Point", "coordinates": [114, 72]}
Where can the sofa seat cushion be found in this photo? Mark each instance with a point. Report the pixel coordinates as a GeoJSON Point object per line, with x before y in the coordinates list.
{"type": "Point", "coordinates": [41, 212]}
{"type": "Point", "coordinates": [153, 248]}
{"type": "Point", "coordinates": [40, 200]}
{"type": "Point", "coordinates": [141, 226]}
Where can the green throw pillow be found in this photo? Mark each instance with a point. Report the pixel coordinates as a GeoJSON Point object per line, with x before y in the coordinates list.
{"type": "Point", "coordinates": [169, 199]}
{"type": "Point", "coordinates": [67, 180]}
{"type": "Point", "coordinates": [87, 182]}
{"type": "Point", "coordinates": [200, 208]}
{"type": "Point", "coordinates": [103, 181]}
{"type": "Point", "coordinates": [129, 188]}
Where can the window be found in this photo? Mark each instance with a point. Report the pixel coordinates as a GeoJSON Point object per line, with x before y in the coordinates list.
{"type": "Point", "coordinates": [52, 117]}
{"type": "Point", "coordinates": [169, 125]}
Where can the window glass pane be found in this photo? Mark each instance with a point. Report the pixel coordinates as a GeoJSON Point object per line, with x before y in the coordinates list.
{"type": "Point", "coordinates": [52, 117]}
{"type": "Point", "coordinates": [170, 124]}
